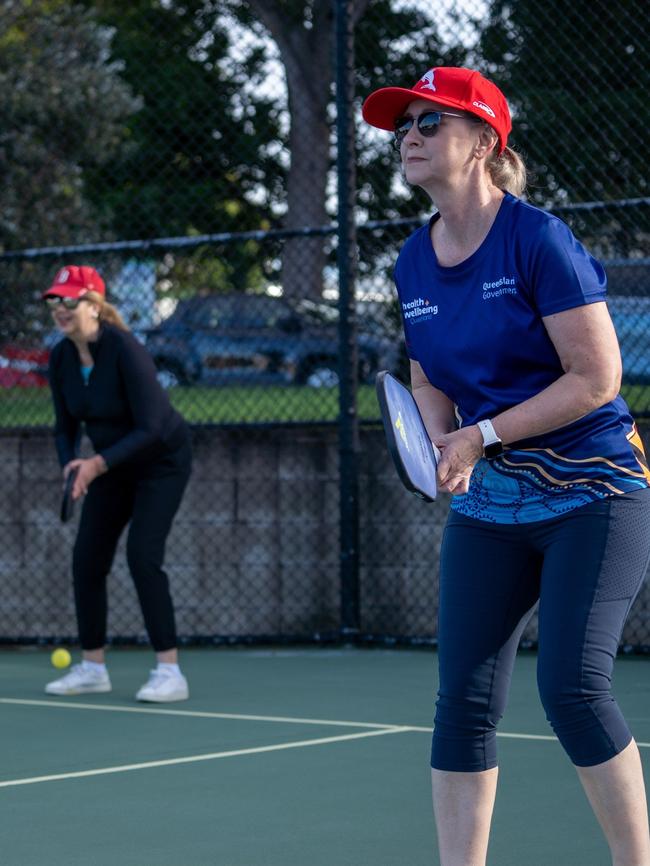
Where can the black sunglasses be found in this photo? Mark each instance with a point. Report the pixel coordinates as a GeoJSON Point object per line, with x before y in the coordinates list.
{"type": "Point", "coordinates": [428, 123]}
{"type": "Point", "coordinates": [69, 303]}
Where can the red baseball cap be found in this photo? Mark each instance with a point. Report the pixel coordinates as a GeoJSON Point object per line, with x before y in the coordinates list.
{"type": "Point", "coordinates": [447, 85]}
{"type": "Point", "coordinates": [73, 281]}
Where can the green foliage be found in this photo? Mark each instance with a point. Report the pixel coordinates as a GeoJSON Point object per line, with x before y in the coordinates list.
{"type": "Point", "coordinates": [198, 147]}
{"type": "Point", "coordinates": [203, 150]}
{"type": "Point", "coordinates": [577, 78]}
{"type": "Point", "coordinates": [63, 107]}
{"type": "Point", "coordinates": [392, 48]}
{"type": "Point", "coordinates": [156, 117]}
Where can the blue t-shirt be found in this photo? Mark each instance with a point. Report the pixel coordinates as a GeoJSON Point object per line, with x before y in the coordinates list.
{"type": "Point", "coordinates": [476, 329]}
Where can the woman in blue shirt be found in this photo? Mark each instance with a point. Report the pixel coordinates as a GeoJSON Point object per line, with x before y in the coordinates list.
{"type": "Point", "coordinates": [516, 370]}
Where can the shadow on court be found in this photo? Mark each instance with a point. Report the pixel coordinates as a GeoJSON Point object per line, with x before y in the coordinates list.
{"type": "Point", "coordinates": [296, 757]}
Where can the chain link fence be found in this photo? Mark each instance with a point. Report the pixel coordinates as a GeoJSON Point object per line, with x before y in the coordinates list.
{"type": "Point", "coordinates": [208, 158]}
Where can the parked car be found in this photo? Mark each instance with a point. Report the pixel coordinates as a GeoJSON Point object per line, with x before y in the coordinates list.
{"type": "Point", "coordinates": [237, 338]}
{"type": "Point", "coordinates": [23, 366]}
{"type": "Point", "coordinates": [255, 338]}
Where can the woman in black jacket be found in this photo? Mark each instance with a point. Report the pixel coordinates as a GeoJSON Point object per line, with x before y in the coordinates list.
{"type": "Point", "coordinates": [102, 377]}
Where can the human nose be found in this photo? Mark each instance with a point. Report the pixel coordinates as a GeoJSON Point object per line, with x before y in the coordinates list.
{"type": "Point", "coordinates": [413, 135]}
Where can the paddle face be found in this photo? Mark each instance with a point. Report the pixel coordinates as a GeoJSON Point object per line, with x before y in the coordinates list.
{"type": "Point", "coordinates": [67, 502]}
{"type": "Point", "coordinates": [408, 441]}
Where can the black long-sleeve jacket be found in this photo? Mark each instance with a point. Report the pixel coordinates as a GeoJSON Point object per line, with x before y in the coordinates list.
{"type": "Point", "coordinates": [127, 414]}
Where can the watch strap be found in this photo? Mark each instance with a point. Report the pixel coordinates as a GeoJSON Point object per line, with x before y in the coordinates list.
{"type": "Point", "coordinates": [488, 432]}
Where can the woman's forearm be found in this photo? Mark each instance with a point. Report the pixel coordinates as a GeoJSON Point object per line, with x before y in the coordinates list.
{"type": "Point", "coordinates": [436, 409]}
{"type": "Point", "coordinates": [564, 401]}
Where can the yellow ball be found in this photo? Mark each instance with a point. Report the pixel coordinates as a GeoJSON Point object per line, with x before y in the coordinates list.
{"type": "Point", "coordinates": [61, 658]}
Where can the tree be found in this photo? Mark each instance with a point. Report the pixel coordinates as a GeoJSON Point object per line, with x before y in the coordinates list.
{"type": "Point", "coordinates": [195, 159]}
{"type": "Point", "coordinates": [303, 31]}
{"type": "Point", "coordinates": [389, 45]}
{"type": "Point", "coordinates": [211, 142]}
{"type": "Point", "coordinates": [394, 48]}
{"type": "Point", "coordinates": [199, 160]}
{"type": "Point", "coordinates": [215, 146]}
{"type": "Point", "coordinates": [577, 76]}
{"type": "Point", "coordinates": [63, 107]}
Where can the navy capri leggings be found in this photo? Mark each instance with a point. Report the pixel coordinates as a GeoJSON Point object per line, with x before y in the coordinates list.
{"type": "Point", "coordinates": [585, 567]}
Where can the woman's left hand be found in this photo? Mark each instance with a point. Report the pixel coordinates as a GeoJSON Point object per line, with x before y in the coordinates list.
{"type": "Point", "coordinates": [460, 451]}
{"type": "Point", "coordinates": [87, 470]}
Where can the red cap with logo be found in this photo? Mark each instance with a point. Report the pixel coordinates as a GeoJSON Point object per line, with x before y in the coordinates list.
{"type": "Point", "coordinates": [454, 86]}
{"type": "Point", "coordinates": [73, 281]}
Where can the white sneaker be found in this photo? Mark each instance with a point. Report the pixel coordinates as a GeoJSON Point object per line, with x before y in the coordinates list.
{"type": "Point", "coordinates": [80, 681]}
{"type": "Point", "coordinates": [164, 685]}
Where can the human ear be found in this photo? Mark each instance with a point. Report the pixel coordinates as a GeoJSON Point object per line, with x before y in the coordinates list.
{"type": "Point", "coordinates": [487, 140]}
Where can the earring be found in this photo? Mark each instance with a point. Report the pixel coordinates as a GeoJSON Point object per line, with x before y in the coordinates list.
{"type": "Point", "coordinates": [95, 314]}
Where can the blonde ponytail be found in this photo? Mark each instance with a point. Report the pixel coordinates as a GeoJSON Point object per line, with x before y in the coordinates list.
{"type": "Point", "coordinates": [508, 171]}
{"type": "Point", "coordinates": [107, 312]}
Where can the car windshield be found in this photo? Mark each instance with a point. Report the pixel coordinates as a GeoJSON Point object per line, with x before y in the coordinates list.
{"type": "Point", "coordinates": [264, 313]}
{"type": "Point", "coordinates": [235, 311]}
{"type": "Point", "coordinates": [318, 313]}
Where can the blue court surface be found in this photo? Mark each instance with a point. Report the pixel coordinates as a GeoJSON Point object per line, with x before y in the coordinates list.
{"type": "Point", "coordinates": [281, 757]}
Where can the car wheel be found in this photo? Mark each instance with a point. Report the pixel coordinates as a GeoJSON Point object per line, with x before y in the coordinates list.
{"type": "Point", "coordinates": [322, 376]}
{"type": "Point", "coordinates": [367, 369]}
{"type": "Point", "coordinates": [169, 375]}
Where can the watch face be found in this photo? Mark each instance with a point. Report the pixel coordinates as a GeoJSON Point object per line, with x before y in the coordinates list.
{"type": "Point", "coordinates": [494, 449]}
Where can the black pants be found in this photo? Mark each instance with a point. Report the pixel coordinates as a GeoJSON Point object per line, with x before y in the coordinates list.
{"type": "Point", "coordinates": [585, 568]}
{"type": "Point", "coordinates": [148, 496]}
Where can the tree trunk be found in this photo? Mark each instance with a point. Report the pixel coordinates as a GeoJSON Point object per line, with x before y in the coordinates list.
{"type": "Point", "coordinates": [307, 55]}
{"type": "Point", "coordinates": [304, 258]}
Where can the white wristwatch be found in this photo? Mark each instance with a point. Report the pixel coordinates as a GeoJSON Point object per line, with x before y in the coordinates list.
{"type": "Point", "coordinates": [492, 445]}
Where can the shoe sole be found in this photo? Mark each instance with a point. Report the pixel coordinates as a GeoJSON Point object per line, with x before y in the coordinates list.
{"type": "Point", "coordinates": [166, 700]}
{"type": "Point", "coordinates": [90, 691]}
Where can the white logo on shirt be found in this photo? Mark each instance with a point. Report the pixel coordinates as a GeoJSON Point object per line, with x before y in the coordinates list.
{"type": "Point", "coordinates": [420, 309]}
{"type": "Point", "coordinates": [500, 287]}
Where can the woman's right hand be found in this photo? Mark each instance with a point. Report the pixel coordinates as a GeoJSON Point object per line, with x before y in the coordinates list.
{"type": "Point", "coordinates": [459, 453]}
{"type": "Point", "coordinates": [87, 470]}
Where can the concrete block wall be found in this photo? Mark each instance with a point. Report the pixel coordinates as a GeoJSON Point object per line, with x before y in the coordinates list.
{"type": "Point", "coordinates": [254, 550]}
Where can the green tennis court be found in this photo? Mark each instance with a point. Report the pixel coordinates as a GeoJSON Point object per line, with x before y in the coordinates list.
{"type": "Point", "coordinates": [288, 757]}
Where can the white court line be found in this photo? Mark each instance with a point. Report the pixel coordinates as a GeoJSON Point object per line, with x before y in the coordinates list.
{"type": "Point", "coordinates": [293, 720]}
{"type": "Point", "coordinates": [212, 756]}
{"type": "Point", "coordinates": [116, 708]}
{"type": "Point", "coordinates": [546, 737]}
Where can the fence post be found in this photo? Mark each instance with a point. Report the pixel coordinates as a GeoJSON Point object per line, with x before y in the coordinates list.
{"type": "Point", "coordinates": [348, 364]}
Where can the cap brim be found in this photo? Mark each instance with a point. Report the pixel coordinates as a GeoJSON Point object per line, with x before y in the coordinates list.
{"type": "Point", "coordinates": [384, 106]}
{"type": "Point", "coordinates": [61, 291]}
